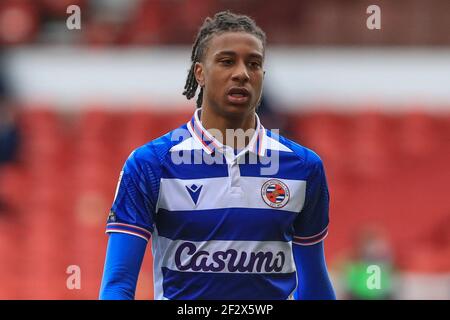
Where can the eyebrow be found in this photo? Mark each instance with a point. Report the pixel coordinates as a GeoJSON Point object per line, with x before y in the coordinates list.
{"type": "Point", "coordinates": [232, 53]}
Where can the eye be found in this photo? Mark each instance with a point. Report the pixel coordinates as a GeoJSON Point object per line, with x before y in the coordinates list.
{"type": "Point", "coordinates": [255, 64]}
{"type": "Point", "coordinates": [227, 62]}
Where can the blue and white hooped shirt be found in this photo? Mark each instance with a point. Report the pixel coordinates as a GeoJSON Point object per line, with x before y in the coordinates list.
{"type": "Point", "coordinates": [222, 224]}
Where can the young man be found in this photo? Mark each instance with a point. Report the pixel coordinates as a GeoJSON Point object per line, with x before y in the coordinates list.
{"type": "Point", "coordinates": [231, 216]}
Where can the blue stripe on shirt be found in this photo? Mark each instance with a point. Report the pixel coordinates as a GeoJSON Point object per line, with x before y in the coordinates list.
{"type": "Point", "coordinates": [226, 286]}
{"type": "Point", "coordinates": [220, 224]}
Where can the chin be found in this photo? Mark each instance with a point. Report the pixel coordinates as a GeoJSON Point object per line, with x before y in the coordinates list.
{"type": "Point", "coordinates": [237, 109]}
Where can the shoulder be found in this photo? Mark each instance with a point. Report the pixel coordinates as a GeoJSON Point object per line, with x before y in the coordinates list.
{"type": "Point", "coordinates": [154, 152]}
{"type": "Point", "coordinates": [306, 157]}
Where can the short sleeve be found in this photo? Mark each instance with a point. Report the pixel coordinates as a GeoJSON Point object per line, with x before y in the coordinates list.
{"type": "Point", "coordinates": [133, 205]}
{"type": "Point", "coordinates": [311, 225]}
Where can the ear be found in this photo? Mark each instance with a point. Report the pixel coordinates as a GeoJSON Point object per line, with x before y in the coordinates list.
{"type": "Point", "coordinates": [199, 74]}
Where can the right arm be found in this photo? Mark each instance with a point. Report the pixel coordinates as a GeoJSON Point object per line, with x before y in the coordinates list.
{"type": "Point", "coordinates": [123, 262]}
{"type": "Point", "coordinates": [129, 225]}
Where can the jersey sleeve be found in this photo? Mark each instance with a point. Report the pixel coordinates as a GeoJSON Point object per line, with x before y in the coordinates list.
{"type": "Point", "coordinates": [133, 206]}
{"type": "Point", "coordinates": [311, 224]}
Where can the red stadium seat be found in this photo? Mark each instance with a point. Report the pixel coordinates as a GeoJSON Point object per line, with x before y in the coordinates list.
{"type": "Point", "coordinates": [70, 179]}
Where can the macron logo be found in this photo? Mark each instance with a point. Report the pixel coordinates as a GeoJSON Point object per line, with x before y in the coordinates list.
{"type": "Point", "coordinates": [194, 192]}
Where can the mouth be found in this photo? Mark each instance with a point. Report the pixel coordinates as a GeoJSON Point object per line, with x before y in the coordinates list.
{"type": "Point", "coordinates": [238, 95]}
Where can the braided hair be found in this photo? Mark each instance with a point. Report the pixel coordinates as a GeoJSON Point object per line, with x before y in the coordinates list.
{"type": "Point", "coordinates": [224, 21]}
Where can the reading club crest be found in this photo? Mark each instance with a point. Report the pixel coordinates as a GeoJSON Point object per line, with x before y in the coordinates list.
{"type": "Point", "coordinates": [275, 193]}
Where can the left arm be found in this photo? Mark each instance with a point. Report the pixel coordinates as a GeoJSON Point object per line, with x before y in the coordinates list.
{"type": "Point", "coordinates": [313, 280]}
{"type": "Point", "coordinates": [310, 230]}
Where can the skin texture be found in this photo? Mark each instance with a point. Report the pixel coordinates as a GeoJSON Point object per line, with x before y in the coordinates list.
{"type": "Point", "coordinates": [232, 59]}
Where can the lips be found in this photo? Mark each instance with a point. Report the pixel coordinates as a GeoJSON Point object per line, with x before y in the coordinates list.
{"type": "Point", "coordinates": [238, 95]}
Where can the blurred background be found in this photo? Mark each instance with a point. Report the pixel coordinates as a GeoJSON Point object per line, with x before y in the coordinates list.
{"type": "Point", "coordinates": [375, 105]}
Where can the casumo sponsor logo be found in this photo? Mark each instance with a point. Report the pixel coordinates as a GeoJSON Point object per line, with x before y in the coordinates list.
{"type": "Point", "coordinates": [229, 261]}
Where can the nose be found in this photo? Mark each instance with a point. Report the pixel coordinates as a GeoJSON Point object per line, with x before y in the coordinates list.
{"type": "Point", "coordinates": [240, 73]}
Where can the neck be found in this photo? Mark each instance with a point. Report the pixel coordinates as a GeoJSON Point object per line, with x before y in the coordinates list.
{"type": "Point", "coordinates": [212, 121]}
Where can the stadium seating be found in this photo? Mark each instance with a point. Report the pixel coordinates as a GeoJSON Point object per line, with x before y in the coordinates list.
{"type": "Point", "coordinates": [382, 170]}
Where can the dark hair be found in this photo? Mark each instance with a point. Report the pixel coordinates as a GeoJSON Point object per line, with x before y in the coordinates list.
{"type": "Point", "coordinates": [223, 21]}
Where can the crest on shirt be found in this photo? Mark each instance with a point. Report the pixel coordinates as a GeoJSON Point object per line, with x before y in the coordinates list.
{"type": "Point", "coordinates": [275, 193]}
{"type": "Point", "coordinates": [194, 191]}
{"type": "Point", "coordinates": [112, 216]}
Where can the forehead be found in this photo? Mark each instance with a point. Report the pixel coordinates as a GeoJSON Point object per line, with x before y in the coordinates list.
{"type": "Point", "coordinates": [241, 43]}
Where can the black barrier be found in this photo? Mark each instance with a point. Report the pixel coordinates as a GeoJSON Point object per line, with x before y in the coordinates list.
{"type": "Point", "coordinates": [180, 310]}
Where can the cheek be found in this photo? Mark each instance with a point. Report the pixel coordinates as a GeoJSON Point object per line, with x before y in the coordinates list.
{"type": "Point", "coordinates": [258, 82]}
{"type": "Point", "coordinates": [216, 83]}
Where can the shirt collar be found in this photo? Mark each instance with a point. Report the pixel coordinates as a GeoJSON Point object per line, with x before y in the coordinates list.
{"type": "Point", "coordinates": [210, 144]}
